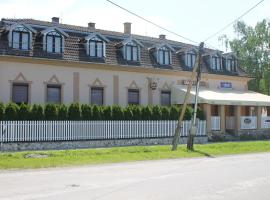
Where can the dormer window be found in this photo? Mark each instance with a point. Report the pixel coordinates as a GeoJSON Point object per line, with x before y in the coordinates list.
{"type": "Point", "coordinates": [54, 42]}
{"type": "Point", "coordinates": [96, 48]}
{"type": "Point", "coordinates": [163, 56]}
{"type": "Point", "coordinates": [190, 59]}
{"type": "Point", "coordinates": [20, 38]}
{"type": "Point", "coordinates": [216, 63]}
{"type": "Point", "coordinates": [131, 52]}
{"type": "Point", "coordinates": [231, 64]}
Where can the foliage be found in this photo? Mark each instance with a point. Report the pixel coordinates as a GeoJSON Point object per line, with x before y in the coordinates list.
{"type": "Point", "coordinates": [128, 114]}
{"type": "Point", "coordinates": [165, 113]}
{"type": "Point", "coordinates": [117, 112]}
{"type": "Point", "coordinates": [62, 112]}
{"type": "Point", "coordinates": [50, 112]}
{"type": "Point", "coordinates": [2, 111]}
{"type": "Point", "coordinates": [146, 113]}
{"type": "Point", "coordinates": [11, 111]}
{"type": "Point", "coordinates": [156, 113]}
{"type": "Point", "coordinates": [37, 112]}
{"type": "Point", "coordinates": [24, 112]}
{"type": "Point", "coordinates": [107, 113]}
{"type": "Point", "coordinates": [253, 50]}
{"type": "Point", "coordinates": [74, 111]}
{"type": "Point", "coordinates": [86, 112]}
{"type": "Point", "coordinates": [96, 112]}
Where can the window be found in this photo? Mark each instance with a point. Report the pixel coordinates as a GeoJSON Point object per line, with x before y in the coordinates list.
{"type": "Point", "coordinates": [190, 60]}
{"type": "Point", "coordinates": [54, 42]}
{"type": "Point", "coordinates": [54, 94]}
{"type": "Point", "coordinates": [96, 48]}
{"type": "Point", "coordinates": [131, 52]}
{"type": "Point", "coordinates": [134, 96]}
{"type": "Point", "coordinates": [216, 63]}
{"type": "Point", "coordinates": [97, 95]}
{"type": "Point", "coordinates": [231, 64]}
{"type": "Point", "coordinates": [165, 99]}
{"type": "Point", "coordinates": [163, 56]}
{"type": "Point", "coordinates": [20, 38]}
{"type": "Point", "coordinates": [20, 93]}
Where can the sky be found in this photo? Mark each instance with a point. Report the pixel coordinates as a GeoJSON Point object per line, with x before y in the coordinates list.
{"type": "Point", "coordinates": [194, 19]}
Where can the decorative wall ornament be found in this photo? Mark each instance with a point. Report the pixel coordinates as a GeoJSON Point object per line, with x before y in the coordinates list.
{"type": "Point", "coordinates": [153, 83]}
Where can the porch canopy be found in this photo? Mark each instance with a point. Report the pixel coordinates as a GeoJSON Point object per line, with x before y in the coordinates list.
{"type": "Point", "coordinates": [220, 97]}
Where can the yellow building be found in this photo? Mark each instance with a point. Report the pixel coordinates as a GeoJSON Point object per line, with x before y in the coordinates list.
{"type": "Point", "coordinates": [44, 62]}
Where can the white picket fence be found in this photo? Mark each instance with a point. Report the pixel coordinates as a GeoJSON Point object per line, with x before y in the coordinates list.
{"type": "Point", "coordinates": [22, 131]}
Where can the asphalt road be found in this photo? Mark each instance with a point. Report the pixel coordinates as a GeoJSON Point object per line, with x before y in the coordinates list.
{"type": "Point", "coordinates": [242, 177]}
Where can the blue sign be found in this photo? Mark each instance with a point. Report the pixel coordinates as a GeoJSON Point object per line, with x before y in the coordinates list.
{"type": "Point", "coordinates": [225, 85]}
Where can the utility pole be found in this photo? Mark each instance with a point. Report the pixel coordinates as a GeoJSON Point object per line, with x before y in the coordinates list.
{"type": "Point", "coordinates": [179, 126]}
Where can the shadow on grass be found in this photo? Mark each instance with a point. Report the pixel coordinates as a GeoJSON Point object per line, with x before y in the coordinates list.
{"type": "Point", "coordinates": [204, 153]}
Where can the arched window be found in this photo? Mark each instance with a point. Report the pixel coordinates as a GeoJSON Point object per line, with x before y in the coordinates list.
{"type": "Point", "coordinates": [54, 42]}
{"type": "Point", "coordinates": [20, 38]}
{"type": "Point", "coordinates": [96, 48]}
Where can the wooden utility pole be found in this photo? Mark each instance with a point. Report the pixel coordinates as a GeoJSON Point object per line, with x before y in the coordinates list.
{"type": "Point", "coordinates": [183, 110]}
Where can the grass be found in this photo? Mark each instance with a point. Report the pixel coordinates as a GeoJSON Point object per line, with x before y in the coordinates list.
{"type": "Point", "coordinates": [21, 160]}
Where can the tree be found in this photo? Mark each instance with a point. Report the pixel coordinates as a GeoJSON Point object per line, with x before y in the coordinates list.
{"type": "Point", "coordinates": [252, 48]}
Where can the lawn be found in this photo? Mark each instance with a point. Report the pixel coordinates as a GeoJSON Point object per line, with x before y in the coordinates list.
{"type": "Point", "coordinates": [41, 159]}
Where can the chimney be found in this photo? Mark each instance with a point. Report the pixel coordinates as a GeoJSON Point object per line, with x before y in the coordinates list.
{"type": "Point", "coordinates": [162, 37]}
{"type": "Point", "coordinates": [91, 25]}
{"type": "Point", "coordinates": [55, 20]}
{"type": "Point", "coordinates": [127, 28]}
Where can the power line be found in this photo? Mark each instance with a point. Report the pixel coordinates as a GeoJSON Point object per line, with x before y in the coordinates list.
{"type": "Point", "coordinates": [172, 32]}
{"type": "Point", "coordinates": [228, 25]}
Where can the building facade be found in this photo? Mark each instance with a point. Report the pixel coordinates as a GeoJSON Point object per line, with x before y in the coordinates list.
{"type": "Point", "coordinates": [45, 62]}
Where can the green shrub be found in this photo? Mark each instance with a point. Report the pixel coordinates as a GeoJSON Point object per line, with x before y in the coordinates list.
{"type": "Point", "coordinates": [174, 112]}
{"type": "Point", "coordinates": [117, 113]}
{"type": "Point", "coordinates": [50, 112]}
{"type": "Point", "coordinates": [11, 112]}
{"type": "Point", "coordinates": [86, 111]}
{"type": "Point", "coordinates": [62, 112]}
{"type": "Point", "coordinates": [96, 112]}
{"type": "Point", "coordinates": [2, 111]}
{"type": "Point", "coordinates": [136, 112]}
{"type": "Point", "coordinates": [24, 112]}
{"type": "Point", "coordinates": [156, 113]}
{"type": "Point", "coordinates": [128, 115]}
{"type": "Point", "coordinates": [146, 113]}
{"type": "Point", "coordinates": [74, 111]}
{"type": "Point", "coordinates": [200, 114]}
{"type": "Point", "coordinates": [188, 114]}
{"type": "Point", "coordinates": [165, 113]}
{"type": "Point", "coordinates": [37, 112]}
{"type": "Point", "coordinates": [107, 113]}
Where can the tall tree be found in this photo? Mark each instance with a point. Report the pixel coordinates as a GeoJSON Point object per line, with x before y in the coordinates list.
{"type": "Point", "coordinates": [252, 46]}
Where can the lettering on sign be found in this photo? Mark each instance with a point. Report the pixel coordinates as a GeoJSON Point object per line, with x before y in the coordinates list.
{"type": "Point", "coordinates": [225, 85]}
{"type": "Point", "coordinates": [247, 121]}
{"type": "Point", "coordinates": [186, 82]}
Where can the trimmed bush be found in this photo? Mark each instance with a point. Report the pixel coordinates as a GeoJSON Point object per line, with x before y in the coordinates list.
{"type": "Point", "coordinates": [24, 112]}
{"type": "Point", "coordinates": [86, 111]}
{"type": "Point", "coordinates": [96, 112]}
{"type": "Point", "coordinates": [74, 111]}
{"type": "Point", "coordinates": [50, 112]}
{"type": "Point", "coordinates": [174, 112]}
{"type": "Point", "coordinates": [62, 112]}
{"type": "Point", "coordinates": [128, 115]}
{"type": "Point", "coordinates": [188, 113]}
{"type": "Point", "coordinates": [156, 113]}
{"type": "Point", "coordinates": [107, 113]}
{"type": "Point", "coordinates": [200, 114]}
{"type": "Point", "coordinates": [37, 112]}
{"type": "Point", "coordinates": [136, 112]}
{"type": "Point", "coordinates": [2, 111]}
{"type": "Point", "coordinates": [117, 113]}
{"type": "Point", "coordinates": [165, 113]}
{"type": "Point", "coordinates": [146, 113]}
{"type": "Point", "coordinates": [11, 112]}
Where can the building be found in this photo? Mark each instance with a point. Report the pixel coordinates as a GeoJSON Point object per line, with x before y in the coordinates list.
{"type": "Point", "coordinates": [44, 62]}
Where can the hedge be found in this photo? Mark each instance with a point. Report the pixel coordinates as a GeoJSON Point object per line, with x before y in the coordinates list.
{"type": "Point", "coordinates": [76, 111]}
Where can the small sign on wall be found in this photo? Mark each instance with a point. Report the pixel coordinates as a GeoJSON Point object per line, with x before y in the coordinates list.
{"type": "Point", "coordinates": [186, 82]}
{"type": "Point", "coordinates": [226, 85]}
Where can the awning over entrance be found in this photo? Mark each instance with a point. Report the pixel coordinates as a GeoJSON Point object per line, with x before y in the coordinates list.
{"type": "Point", "coordinates": [221, 97]}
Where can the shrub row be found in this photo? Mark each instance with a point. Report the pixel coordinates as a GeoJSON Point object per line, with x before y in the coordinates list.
{"type": "Point", "coordinates": [76, 111]}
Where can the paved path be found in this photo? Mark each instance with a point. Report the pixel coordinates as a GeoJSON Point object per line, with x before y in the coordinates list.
{"type": "Point", "coordinates": [242, 177]}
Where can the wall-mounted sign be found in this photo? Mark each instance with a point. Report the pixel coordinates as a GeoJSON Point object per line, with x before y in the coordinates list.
{"type": "Point", "coordinates": [225, 85]}
{"type": "Point", "coordinates": [186, 82]}
{"type": "Point", "coordinates": [247, 120]}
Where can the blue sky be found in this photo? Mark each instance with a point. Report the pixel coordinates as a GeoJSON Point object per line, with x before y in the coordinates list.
{"type": "Point", "coordinates": [194, 19]}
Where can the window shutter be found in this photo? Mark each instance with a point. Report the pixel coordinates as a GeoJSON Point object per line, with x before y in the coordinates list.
{"type": "Point", "coordinates": [170, 57]}
{"type": "Point", "coordinates": [10, 38]}
{"type": "Point", "coordinates": [104, 49]}
{"type": "Point", "coordinates": [44, 42]}
{"type": "Point", "coordinates": [124, 51]}
{"type": "Point", "coordinates": [86, 45]}
{"type": "Point", "coordinates": [63, 44]}
{"type": "Point", "coordinates": [139, 53]}
{"type": "Point", "coordinates": [30, 40]}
